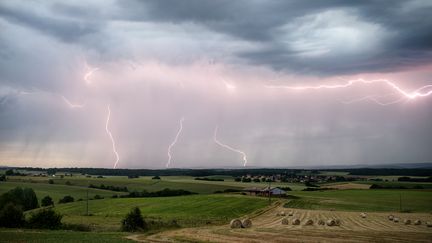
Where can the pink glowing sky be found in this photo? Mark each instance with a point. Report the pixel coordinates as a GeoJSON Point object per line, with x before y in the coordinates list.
{"type": "Point", "coordinates": [224, 65]}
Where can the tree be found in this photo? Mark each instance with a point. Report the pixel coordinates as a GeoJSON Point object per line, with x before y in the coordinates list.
{"type": "Point", "coordinates": [11, 216]}
{"type": "Point", "coordinates": [47, 201]}
{"type": "Point", "coordinates": [9, 172]}
{"type": "Point", "coordinates": [26, 198]}
{"type": "Point", "coordinates": [66, 199]}
{"type": "Point", "coordinates": [45, 219]}
{"type": "Point", "coordinates": [30, 199]}
{"type": "Point", "coordinates": [134, 221]}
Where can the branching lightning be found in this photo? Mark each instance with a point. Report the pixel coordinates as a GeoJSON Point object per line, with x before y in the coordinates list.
{"type": "Point", "coordinates": [228, 147]}
{"type": "Point", "coordinates": [405, 95]}
{"type": "Point", "coordinates": [174, 142]}
{"type": "Point", "coordinates": [70, 104]}
{"type": "Point", "coordinates": [112, 138]}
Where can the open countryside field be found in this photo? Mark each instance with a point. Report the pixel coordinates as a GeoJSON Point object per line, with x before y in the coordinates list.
{"type": "Point", "coordinates": [147, 183]}
{"type": "Point", "coordinates": [195, 210]}
{"type": "Point", "coordinates": [268, 227]}
{"type": "Point", "coordinates": [50, 236]}
{"type": "Point", "coordinates": [205, 216]}
{"type": "Point", "coordinates": [57, 191]}
{"type": "Point", "coordinates": [364, 200]}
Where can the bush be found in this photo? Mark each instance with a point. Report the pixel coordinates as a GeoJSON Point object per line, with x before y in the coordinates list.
{"type": "Point", "coordinates": [98, 197]}
{"type": "Point", "coordinates": [11, 216]}
{"type": "Point", "coordinates": [68, 183]}
{"type": "Point", "coordinates": [134, 221]}
{"type": "Point", "coordinates": [24, 197]}
{"type": "Point", "coordinates": [2, 178]}
{"type": "Point", "coordinates": [45, 219]}
{"type": "Point", "coordinates": [50, 181]}
{"type": "Point", "coordinates": [47, 201]}
{"type": "Point", "coordinates": [66, 199]}
{"type": "Point", "coordinates": [156, 178]}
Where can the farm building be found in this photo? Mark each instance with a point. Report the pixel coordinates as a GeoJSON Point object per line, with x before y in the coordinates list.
{"type": "Point", "coordinates": [274, 191]}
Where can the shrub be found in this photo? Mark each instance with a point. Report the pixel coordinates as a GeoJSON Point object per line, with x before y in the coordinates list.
{"type": "Point", "coordinates": [134, 221]}
{"type": "Point", "coordinates": [156, 178]}
{"type": "Point", "coordinates": [45, 219]}
{"type": "Point", "coordinates": [47, 201]}
{"type": "Point", "coordinates": [66, 199]}
{"type": "Point", "coordinates": [98, 197]}
{"type": "Point", "coordinates": [2, 178]}
{"type": "Point", "coordinates": [11, 216]}
{"type": "Point", "coordinates": [68, 183]}
{"type": "Point", "coordinates": [24, 197]}
{"type": "Point", "coordinates": [50, 181]}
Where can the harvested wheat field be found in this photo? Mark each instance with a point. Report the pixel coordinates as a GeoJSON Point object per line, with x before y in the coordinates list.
{"type": "Point", "coordinates": [347, 227]}
{"type": "Point", "coordinates": [346, 186]}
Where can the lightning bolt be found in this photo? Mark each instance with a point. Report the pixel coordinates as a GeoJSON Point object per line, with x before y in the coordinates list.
{"type": "Point", "coordinates": [89, 73]}
{"type": "Point", "coordinates": [229, 148]}
{"type": "Point", "coordinates": [70, 104]}
{"type": "Point", "coordinates": [421, 92]}
{"type": "Point", "coordinates": [174, 142]}
{"type": "Point", "coordinates": [376, 99]}
{"type": "Point", "coordinates": [112, 138]}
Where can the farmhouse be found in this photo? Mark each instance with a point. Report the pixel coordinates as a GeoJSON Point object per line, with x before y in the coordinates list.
{"type": "Point", "coordinates": [274, 191]}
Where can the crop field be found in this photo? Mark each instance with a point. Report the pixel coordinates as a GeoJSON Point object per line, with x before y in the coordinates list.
{"type": "Point", "coordinates": [268, 227]}
{"type": "Point", "coordinates": [364, 200]}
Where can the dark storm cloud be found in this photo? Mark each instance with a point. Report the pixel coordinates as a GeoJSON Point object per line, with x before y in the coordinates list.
{"type": "Point", "coordinates": [68, 30]}
{"type": "Point", "coordinates": [384, 36]}
{"type": "Point", "coordinates": [409, 40]}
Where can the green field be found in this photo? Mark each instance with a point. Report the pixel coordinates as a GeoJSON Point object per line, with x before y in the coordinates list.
{"type": "Point", "coordinates": [364, 200]}
{"type": "Point", "coordinates": [57, 191]}
{"type": "Point", "coordinates": [55, 236]}
{"type": "Point", "coordinates": [146, 183]}
{"type": "Point", "coordinates": [192, 210]}
{"type": "Point", "coordinates": [425, 185]}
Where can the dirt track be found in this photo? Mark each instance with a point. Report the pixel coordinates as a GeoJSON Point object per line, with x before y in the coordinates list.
{"type": "Point", "coordinates": [267, 227]}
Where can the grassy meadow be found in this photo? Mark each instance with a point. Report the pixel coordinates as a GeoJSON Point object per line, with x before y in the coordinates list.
{"type": "Point", "coordinates": [364, 200]}
{"type": "Point", "coordinates": [194, 210]}
{"type": "Point", "coordinates": [55, 236]}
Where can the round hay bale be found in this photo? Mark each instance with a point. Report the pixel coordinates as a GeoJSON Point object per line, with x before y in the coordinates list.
{"type": "Point", "coordinates": [321, 222]}
{"type": "Point", "coordinates": [309, 222]}
{"type": "Point", "coordinates": [396, 220]}
{"type": "Point", "coordinates": [235, 224]}
{"type": "Point", "coordinates": [291, 213]}
{"type": "Point", "coordinates": [246, 223]}
{"type": "Point", "coordinates": [407, 221]}
{"type": "Point", "coordinates": [337, 222]}
{"type": "Point", "coordinates": [296, 221]}
{"type": "Point", "coordinates": [391, 217]}
{"type": "Point", "coordinates": [285, 221]}
{"type": "Point", "coordinates": [363, 215]}
{"type": "Point", "coordinates": [429, 224]}
{"type": "Point", "coordinates": [331, 222]}
{"type": "Point", "coordinates": [417, 222]}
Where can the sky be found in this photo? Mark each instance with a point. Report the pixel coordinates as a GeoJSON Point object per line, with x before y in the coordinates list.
{"type": "Point", "coordinates": [211, 84]}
